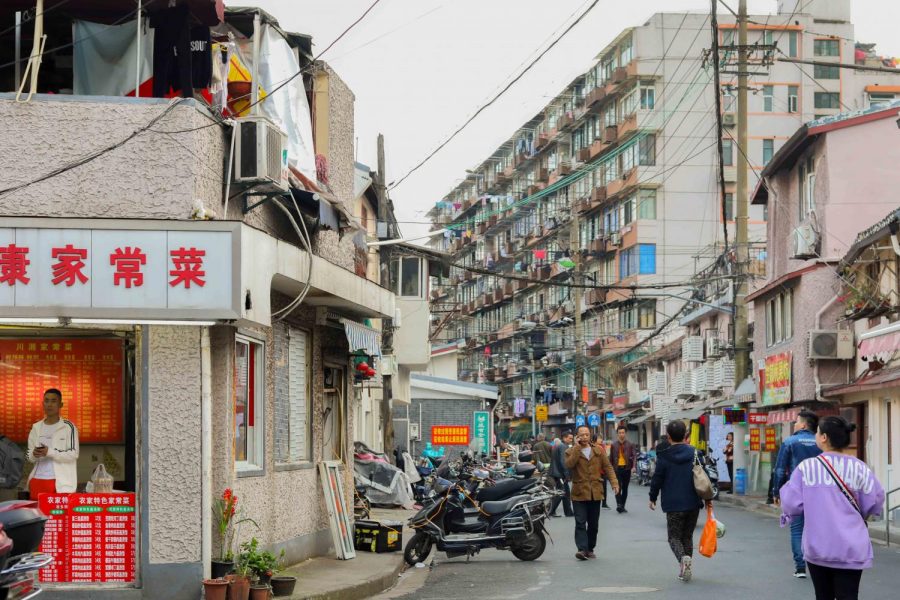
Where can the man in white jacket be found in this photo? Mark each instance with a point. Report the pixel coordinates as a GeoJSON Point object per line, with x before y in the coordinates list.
{"type": "Point", "coordinates": [53, 448]}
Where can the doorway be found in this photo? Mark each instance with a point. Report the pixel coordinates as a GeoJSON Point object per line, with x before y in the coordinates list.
{"type": "Point", "coordinates": [335, 414]}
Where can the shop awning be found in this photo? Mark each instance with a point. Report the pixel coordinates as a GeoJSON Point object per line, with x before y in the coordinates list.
{"type": "Point", "coordinates": [642, 418]}
{"type": "Point", "coordinates": [725, 402]}
{"type": "Point", "coordinates": [745, 392]}
{"type": "Point", "coordinates": [873, 381]}
{"type": "Point", "coordinates": [880, 341]}
{"type": "Point", "coordinates": [691, 413]}
{"type": "Point", "coordinates": [362, 338]}
{"type": "Point", "coordinates": [625, 413]}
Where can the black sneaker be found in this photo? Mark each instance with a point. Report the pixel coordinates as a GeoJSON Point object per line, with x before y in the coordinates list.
{"type": "Point", "coordinates": [581, 555]}
{"type": "Point", "coordinates": [800, 573]}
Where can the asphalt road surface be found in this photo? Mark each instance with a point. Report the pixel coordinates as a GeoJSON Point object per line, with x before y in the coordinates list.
{"type": "Point", "coordinates": [634, 562]}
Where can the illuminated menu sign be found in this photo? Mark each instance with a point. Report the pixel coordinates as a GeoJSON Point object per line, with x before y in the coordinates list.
{"type": "Point", "coordinates": [88, 372]}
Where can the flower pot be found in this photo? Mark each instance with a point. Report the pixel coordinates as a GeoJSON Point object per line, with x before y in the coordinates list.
{"type": "Point", "coordinates": [259, 591]}
{"type": "Point", "coordinates": [215, 589]}
{"type": "Point", "coordinates": [283, 585]}
{"type": "Point", "coordinates": [265, 578]}
{"type": "Point", "coordinates": [238, 588]}
{"type": "Point", "coordinates": [221, 568]}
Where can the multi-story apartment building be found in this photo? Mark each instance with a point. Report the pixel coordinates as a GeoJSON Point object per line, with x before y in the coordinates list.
{"type": "Point", "coordinates": [629, 150]}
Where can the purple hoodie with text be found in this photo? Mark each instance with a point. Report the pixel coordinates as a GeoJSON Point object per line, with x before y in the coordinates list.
{"type": "Point", "coordinates": [834, 534]}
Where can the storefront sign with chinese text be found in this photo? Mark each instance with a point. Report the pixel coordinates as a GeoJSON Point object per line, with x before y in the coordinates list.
{"type": "Point", "coordinates": [450, 435]}
{"type": "Point", "coordinates": [620, 401]}
{"type": "Point", "coordinates": [482, 430]}
{"type": "Point", "coordinates": [540, 412]}
{"type": "Point", "coordinates": [777, 385]}
{"type": "Point", "coordinates": [771, 439]}
{"type": "Point", "coordinates": [757, 418]}
{"type": "Point", "coordinates": [118, 273]}
{"type": "Point", "coordinates": [783, 416]}
{"type": "Point", "coordinates": [88, 372]}
{"type": "Point", "coordinates": [54, 543]}
{"type": "Point", "coordinates": [754, 439]}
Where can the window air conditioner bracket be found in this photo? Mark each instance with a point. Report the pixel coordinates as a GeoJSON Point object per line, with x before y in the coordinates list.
{"type": "Point", "coordinates": [266, 196]}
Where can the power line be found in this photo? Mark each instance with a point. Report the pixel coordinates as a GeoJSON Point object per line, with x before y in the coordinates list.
{"type": "Point", "coordinates": [496, 97]}
{"type": "Point", "coordinates": [718, 93]}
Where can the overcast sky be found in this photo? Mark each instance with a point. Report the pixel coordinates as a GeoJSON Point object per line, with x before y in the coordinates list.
{"type": "Point", "coordinates": [420, 68]}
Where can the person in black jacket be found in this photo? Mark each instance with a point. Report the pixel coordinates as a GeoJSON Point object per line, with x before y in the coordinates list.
{"type": "Point", "coordinates": [623, 456]}
{"type": "Point", "coordinates": [560, 475]}
{"type": "Point", "coordinates": [675, 479]}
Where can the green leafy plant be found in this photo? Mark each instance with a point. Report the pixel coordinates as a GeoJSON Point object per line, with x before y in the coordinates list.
{"type": "Point", "coordinates": [256, 562]}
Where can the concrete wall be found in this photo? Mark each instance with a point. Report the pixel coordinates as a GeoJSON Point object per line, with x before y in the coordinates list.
{"type": "Point", "coordinates": [411, 343]}
{"type": "Point", "coordinates": [441, 412]}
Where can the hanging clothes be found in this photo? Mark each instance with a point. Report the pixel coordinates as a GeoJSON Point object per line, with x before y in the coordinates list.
{"type": "Point", "coordinates": [540, 254]}
{"type": "Point", "coordinates": [172, 51]}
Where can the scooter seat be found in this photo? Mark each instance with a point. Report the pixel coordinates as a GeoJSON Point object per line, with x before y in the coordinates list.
{"type": "Point", "coordinates": [502, 506]}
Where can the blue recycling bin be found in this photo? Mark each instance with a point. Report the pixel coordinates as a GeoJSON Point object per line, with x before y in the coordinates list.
{"type": "Point", "coordinates": [740, 481]}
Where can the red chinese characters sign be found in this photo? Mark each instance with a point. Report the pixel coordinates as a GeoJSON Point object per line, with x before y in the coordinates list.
{"type": "Point", "coordinates": [87, 372]}
{"type": "Point", "coordinates": [771, 439]}
{"type": "Point", "coordinates": [450, 435]}
{"type": "Point", "coordinates": [92, 538]}
{"type": "Point", "coordinates": [754, 439]}
{"type": "Point", "coordinates": [757, 418]}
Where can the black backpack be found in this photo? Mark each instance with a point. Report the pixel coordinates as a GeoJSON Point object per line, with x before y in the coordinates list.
{"type": "Point", "coordinates": [12, 462]}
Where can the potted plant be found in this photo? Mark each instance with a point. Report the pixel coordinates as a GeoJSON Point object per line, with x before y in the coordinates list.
{"type": "Point", "coordinates": [263, 563]}
{"type": "Point", "coordinates": [283, 585]}
{"type": "Point", "coordinates": [224, 511]}
{"type": "Point", "coordinates": [215, 589]}
{"type": "Point", "coordinates": [239, 587]}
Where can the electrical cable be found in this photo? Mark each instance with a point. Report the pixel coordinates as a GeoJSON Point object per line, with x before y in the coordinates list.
{"type": "Point", "coordinates": [305, 241]}
{"type": "Point", "coordinates": [495, 98]}
{"type": "Point", "coordinates": [718, 94]}
{"type": "Point", "coordinates": [32, 17]}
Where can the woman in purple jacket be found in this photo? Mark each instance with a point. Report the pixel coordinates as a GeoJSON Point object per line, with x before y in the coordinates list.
{"type": "Point", "coordinates": [836, 493]}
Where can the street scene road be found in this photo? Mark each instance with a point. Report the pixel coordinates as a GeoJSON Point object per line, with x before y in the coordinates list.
{"type": "Point", "coordinates": [634, 562]}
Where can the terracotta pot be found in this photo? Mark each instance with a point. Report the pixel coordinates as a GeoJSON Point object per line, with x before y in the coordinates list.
{"type": "Point", "coordinates": [283, 585]}
{"type": "Point", "coordinates": [215, 589]}
{"type": "Point", "coordinates": [239, 588]}
{"type": "Point", "coordinates": [259, 591]}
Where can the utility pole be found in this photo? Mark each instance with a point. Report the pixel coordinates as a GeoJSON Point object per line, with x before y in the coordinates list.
{"type": "Point", "coordinates": [387, 325]}
{"type": "Point", "coordinates": [741, 345]}
{"type": "Point", "coordinates": [575, 250]}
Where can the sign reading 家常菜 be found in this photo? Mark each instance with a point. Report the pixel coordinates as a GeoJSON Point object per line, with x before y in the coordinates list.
{"type": "Point", "coordinates": [450, 435]}
{"type": "Point", "coordinates": [118, 273]}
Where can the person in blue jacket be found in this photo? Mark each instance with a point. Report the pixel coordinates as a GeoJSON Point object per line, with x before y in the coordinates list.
{"type": "Point", "coordinates": [797, 448]}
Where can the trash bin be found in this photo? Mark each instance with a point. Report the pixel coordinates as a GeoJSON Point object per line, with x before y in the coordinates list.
{"type": "Point", "coordinates": [740, 481]}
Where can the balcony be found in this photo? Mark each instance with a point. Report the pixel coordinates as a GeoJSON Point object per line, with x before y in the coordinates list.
{"type": "Point", "coordinates": [583, 205]}
{"type": "Point", "coordinates": [531, 190]}
{"type": "Point", "coordinates": [540, 141]}
{"type": "Point", "coordinates": [595, 296]}
{"type": "Point", "coordinates": [610, 134]}
{"type": "Point", "coordinates": [632, 123]}
{"type": "Point", "coordinates": [594, 98]}
{"type": "Point", "coordinates": [597, 149]}
{"type": "Point", "coordinates": [599, 245]}
{"type": "Point", "coordinates": [583, 154]}
{"type": "Point", "coordinates": [564, 122]}
{"type": "Point", "coordinates": [599, 195]}
{"type": "Point", "coordinates": [541, 175]}
{"type": "Point", "coordinates": [628, 180]}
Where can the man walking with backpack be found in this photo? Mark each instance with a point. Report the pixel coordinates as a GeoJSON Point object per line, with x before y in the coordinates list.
{"type": "Point", "coordinates": [797, 448]}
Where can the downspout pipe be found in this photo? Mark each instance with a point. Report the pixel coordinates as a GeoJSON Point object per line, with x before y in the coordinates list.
{"type": "Point", "coordinates": [819, 315]}
{"type": "Point", "coordinates": [206, 441]}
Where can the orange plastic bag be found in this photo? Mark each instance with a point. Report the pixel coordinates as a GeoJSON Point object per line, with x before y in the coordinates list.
{"type": "Point", "coordinates": [708, 537]}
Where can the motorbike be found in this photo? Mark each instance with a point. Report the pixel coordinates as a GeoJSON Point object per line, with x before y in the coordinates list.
{"type": "Point", "coordinates": [712, 470]}
{"type": "Point", "coordinates": [515, 524]}
{"type": "Point", "coordinates": [645, 467]}
{"type": "Point", "coordinates": [21, 531]}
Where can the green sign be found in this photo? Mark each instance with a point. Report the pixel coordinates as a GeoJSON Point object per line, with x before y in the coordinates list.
{"type": "Point", "coordinates": [481, 430]}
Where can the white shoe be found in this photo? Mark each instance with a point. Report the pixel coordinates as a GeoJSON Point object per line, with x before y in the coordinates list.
{"type": "Point", "coordinates": [685, 569]}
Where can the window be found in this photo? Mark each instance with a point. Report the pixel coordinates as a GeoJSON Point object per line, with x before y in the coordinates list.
{"type": "Point", "coordinates": [806, 176]}
{"type": "Point", "coordinates": [780, 318]}
{"type": "Point", "coordinates": [728, 37]}
{"type": "Point", "coordinates": [406, 275]}
{"type": "Point", "coordinates": [647, 259]}
{"type": "Point", "coordinates": [826, 48]}
{"type": "Point", "coordinates": [646, 204]}
{"type": "Point", "coordinates": [648, 98]}
{"type": "Point", "coordinates": [728, 152]}
{"type": "Point", "coordinates": [792, 44]}
{"type": "Point", "coordinates": [628, 210]}
{"type": "Point", "coordinates": [249, 400]}
{"type": "Point", "coordinates": [880, 99]}
{"type": "Point", "coordinates": [627, 318]}
{"type": "Point", "coordinates": [768, 37]}
{"type": "Point", "coordinates": [768, 150]}
{"type": "Point", "coordinates": [628, 262]}
{"type": "Point", "coordinates": [793, 99]}
{"type": "Point", "coordinates": [292, 406]}
{"type": "Point", "coordinates": [729, 206]}
{"type": "Point", "coordinates": [647, 150]}
{"type": "Point", "coordinates": [630, 102]}
{"type": "Point", "coordinates": [625, 54]}
{"type": "Point", "coordinates": [826, 72]}
{"type": "Point", "coordinates": [647, 315]}
{"type": "Point", "coordinates": [768, 98]}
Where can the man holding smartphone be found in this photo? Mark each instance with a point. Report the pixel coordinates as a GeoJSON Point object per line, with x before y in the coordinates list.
{"type": "Point", "coordinates": [587, 462]}
{"type": "Point", "coordinates": [53, 448]}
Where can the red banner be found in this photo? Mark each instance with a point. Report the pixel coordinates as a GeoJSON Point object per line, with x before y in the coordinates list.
{"type": "Point", "coordinates": [87, 372]}
{"type": "Point", "coordinates": [754, 440]}
{"type": "Point", "coordinates": [450, 435]}
{"type": "Point", "coordinates": [55, 543]}
{"type": "Point", "coordinates": [771, 439]}
{"type": "Point", "coordinates": [757, 418]}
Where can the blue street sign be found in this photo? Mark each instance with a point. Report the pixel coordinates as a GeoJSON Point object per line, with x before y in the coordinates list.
{"type": "Point", "coordinates": [594, 420]}
{"type": "Point", "coordinates": [579, 420]}
{"type": "Point", "coordinates": [610, 417]}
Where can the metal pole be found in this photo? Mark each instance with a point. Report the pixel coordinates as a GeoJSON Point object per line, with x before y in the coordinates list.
{"type": "Point", "coordinates": [575, 250]}
{"type": "Point", "coordinates": [254, 73]}
{"type": "Point", "coordinates": [18, 53]}
{"type": "Point", "coordinates": [534, 405]}
{"type": "Point", "coordinates": [137, 74]}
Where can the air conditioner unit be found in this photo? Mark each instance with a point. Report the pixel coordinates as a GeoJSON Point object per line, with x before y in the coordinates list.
{"type": "Point", "coordinates": [261, 154]}
{"type": "Point", "coordinates": [714, 347]}
{"type": "Point", "coordinates": [831, 344]}
{"type": "Point", "coordinates": [615, 239]}
{"type": "Point", "coordinates": [692, 349]}
{"type": "Point", "coordinates": [729, 120]}
{"type": "Point", "coordinates": [805, 242]}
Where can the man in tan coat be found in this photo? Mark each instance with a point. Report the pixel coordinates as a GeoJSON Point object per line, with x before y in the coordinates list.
{"type": "Point", "coordinates": [587, 463]}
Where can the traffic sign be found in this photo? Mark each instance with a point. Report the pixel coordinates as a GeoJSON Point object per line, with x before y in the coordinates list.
{"type": "Point", "coordinates": [594, 420]}
{"type": "Point", "coordinates": [541, 412]}
{"type": "Point", "coordinates": [579, 420]}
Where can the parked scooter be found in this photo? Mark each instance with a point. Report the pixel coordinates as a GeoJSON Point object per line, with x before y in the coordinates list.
{"type": "Point", "coordinates": [646, 465]}
{"type": "Point", "coordinates": [21, 532]}
{"type": "Point", "coordinates": [515, 524]}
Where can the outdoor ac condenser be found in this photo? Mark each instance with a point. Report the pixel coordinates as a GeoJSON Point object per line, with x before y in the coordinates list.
{"type": "Point", "coordinates": [260, 154]}
{"type": "Point", "coordinates": [831, 344]}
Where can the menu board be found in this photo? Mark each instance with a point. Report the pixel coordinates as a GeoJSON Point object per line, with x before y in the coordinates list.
{"type": "Point", "coordinates": [99, 538]}
{"type": "Point", "coordinates": [56, 507]}
{"type": "Point", "coordinates": [88, 373]}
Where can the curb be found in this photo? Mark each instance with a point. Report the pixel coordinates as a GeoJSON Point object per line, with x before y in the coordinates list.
{"type": "Point", "coordinates": [364, 589]}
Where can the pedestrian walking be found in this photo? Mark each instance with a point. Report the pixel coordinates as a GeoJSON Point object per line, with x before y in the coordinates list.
{"type": "Point", "coordinates": [729, 459]}
{"type": "Point", "coordinates": [622, 455]}
{"type": "Point", "coordinates": [560, 475]}
{"type": "Point", "coordinates": [797, 448]}
{"type": "Point", "coordinates": [587, 462]}
{"type": "Point", "coordinates": [674, 477]}
{"type": "Point", "coordinates": [542, 450]}
{"type": "Point", "coordinates": [834, 493]}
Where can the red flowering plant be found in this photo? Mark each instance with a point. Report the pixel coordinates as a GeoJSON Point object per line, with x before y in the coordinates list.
{"type": "Point", "coordinates": [224, 511]}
